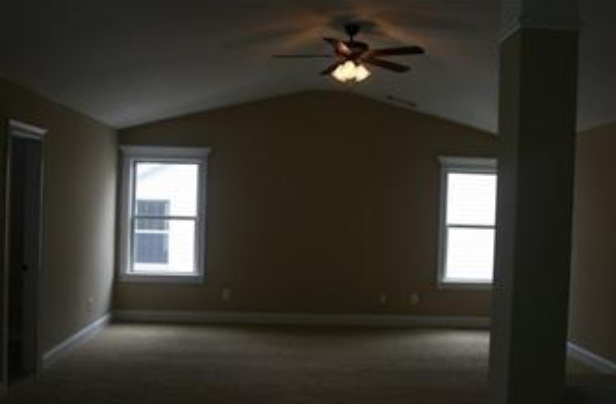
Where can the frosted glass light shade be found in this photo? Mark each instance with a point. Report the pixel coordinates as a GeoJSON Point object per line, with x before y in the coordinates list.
{"type": "Point", "coordinates": [350, 71]}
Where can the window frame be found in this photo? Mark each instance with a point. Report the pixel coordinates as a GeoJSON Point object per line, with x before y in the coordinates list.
{"type": "Point", "coordinates": [466, 165]}
{"type": "Point", "coordinates": [130, 155]}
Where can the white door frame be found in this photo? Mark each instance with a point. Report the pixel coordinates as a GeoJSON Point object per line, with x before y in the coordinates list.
{"type": "Point", "coordinates": [17, 129]}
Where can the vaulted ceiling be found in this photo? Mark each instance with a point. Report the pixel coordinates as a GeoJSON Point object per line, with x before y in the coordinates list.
{"type": "Point", "coordinates": [134, 61]}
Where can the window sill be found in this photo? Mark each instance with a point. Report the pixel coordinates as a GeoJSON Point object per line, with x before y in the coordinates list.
{"type": "Point", "coordinates": [161, 278]}
{"type": "Point", "coordinates": [463, 285]}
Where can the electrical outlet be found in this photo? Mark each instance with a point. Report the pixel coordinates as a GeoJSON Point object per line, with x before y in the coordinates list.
{"type": "Point", "coordinates": [90, 303]}
{"type": "Point", "coordinates": [414, 299]}
{"type": "Point", "coordinates": [382, 298]}
{"type": "Point", "coordinates": [226, 294]}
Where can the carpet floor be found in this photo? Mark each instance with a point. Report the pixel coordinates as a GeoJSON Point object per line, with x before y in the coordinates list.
{"type": "Point", "coordinates": [128, 364]}
{"type": "Point", "coordinates": [181, 364]}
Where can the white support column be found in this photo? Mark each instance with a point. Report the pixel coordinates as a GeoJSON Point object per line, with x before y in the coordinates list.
{"type": "Point", "coordinates": [537, 126]}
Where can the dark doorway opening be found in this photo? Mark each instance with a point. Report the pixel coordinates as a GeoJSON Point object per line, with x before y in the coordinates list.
{"type": "Point", "coordinates": [24, 247]}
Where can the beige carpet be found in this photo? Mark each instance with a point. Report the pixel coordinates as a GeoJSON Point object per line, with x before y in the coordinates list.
{"type": "Point", "coordinates": [265, 364]}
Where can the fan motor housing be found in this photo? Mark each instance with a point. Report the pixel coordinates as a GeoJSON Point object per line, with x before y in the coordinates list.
{"type": "Point", "coordinates": [356, 46]}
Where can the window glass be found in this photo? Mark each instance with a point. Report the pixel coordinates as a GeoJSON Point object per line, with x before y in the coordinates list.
{"type": "Point", "coordinates": [471, 198]}
{"type": "Point", "coordinates": [176, 183]}
{"type": "Point", "coordinates": [166, 251]}
{"type": "Point", "coordinates": [151, 248]}
{"type": "Point", "coordinates": [470, 254]}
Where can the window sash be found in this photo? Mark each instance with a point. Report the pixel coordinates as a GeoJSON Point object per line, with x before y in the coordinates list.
{"type": "Point", "coordinates": [449, 273]}
{"type": "Point", "coordinates": [200, 183]}
{"type": "Point", "coordinates": [183, 271]}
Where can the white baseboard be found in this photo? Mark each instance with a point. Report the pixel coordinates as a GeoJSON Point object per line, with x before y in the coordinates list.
{"type": "Point", "coordinates": [78, 338]}
{"type": "Point", "coordinates": [591, 359]}
{"type": "Point", "coordinates": [228, 317]}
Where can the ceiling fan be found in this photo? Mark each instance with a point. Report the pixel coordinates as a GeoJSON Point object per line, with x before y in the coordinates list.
{"type": "Point", "coordinates": [352, 55]}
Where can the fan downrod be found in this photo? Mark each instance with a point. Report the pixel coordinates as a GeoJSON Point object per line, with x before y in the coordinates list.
{"type": "Point", "coordinates": [352, 29]}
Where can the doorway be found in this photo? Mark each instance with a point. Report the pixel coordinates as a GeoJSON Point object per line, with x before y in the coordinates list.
{"type": "Point", "coordinates": [24, 228]}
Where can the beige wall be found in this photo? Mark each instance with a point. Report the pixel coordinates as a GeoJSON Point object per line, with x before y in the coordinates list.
{"type": "Point", "coordinates": [79, 210]}
{"type": "Point", "coordinates": [316, 203]}
{"type": "Point", "coordinates": [593, 284]}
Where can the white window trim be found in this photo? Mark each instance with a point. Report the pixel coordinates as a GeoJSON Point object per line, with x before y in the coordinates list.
{"type": "Point", "coordinates": [450, 164]}
{"type": "Point", "coordinates": [131, 154]}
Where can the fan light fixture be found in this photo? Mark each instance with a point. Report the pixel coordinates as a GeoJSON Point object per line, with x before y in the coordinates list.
{"type": "Point", "coordinates": [352, 57]}
{"type": "Point", "coordinates": [351, 71]}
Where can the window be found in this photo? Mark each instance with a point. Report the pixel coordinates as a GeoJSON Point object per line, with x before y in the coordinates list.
{"type": "Point", "coordinates": [468, 214]}
{"type": "Point", "coordinates": [163, 213]}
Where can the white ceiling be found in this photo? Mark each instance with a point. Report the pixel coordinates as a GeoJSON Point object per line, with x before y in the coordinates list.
{"type": "Point", "coordinates": [134, 61]}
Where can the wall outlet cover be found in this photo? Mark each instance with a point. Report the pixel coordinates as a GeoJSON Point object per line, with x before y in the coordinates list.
{"type": "Point", "coordinates": [226, 294]}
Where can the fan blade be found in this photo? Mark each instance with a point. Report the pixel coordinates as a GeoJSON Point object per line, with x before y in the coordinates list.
{"type": "Point", "coordinates": [403, 50]}
{"type": "Point", "coordinates": [398, 68]}
{"type": "Point", "coordinates": [339, 46]}
{"type": "Point", "coordinates": [302, 56]}
{"type": "Point", "coordinates": [331, 68]}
